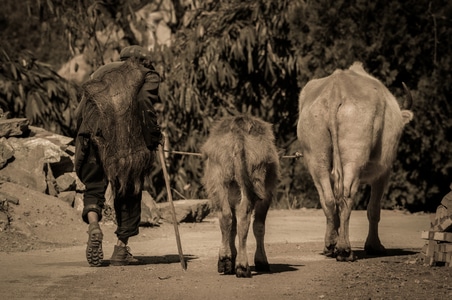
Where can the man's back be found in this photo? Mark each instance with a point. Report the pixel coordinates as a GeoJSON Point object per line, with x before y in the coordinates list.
{"type": "Point", "coordinates": [105, 68]}
{"type": "Point", "coordinates": [112, 119]}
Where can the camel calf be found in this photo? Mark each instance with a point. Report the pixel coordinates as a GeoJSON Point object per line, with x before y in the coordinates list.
{"type": "Point", "coordinates": [240, 177]}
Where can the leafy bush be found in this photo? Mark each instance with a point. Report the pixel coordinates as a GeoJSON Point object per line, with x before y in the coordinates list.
{"type": "Point", "coordinates": [32, 90]}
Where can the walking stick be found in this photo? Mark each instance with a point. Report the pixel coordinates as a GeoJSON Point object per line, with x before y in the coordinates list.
{"type": "Point", "coordinates": [173, 211]}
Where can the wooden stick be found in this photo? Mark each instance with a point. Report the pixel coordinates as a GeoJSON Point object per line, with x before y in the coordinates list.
{"type": "Point", "coordinates": [173, 210]}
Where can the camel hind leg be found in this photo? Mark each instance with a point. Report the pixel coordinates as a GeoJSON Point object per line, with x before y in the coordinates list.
{"type": "Point", "coordinates": [260, 215]}
{"type": "Point", "coordinates": [228, 226]}
{"type": "Point", "coordinates": [373, 244]}
{"type": "Point", "coordinates": [243, 213]}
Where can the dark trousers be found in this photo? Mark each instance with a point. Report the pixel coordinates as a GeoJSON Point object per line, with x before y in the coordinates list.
{"type": "Point", "coordinates": [90, 171]}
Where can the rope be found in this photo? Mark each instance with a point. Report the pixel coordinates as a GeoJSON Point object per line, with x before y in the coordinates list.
{"type": "Point", "coordinates": [182, 152]}
{"type": "Point", "coordinates": [296, 155]}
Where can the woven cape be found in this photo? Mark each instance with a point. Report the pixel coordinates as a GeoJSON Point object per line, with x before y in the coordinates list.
{"type": "Point", "coordinates": [111, 116]}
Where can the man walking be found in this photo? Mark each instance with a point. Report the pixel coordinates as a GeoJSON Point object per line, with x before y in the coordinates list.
{"type": "Point", "coordinates": [115, 143]}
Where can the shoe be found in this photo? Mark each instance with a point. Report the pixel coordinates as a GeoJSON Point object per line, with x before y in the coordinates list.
{"type": "Point", "coordinates": [94, 253]}
{"type": "Point", "coordinates": [121, 256]}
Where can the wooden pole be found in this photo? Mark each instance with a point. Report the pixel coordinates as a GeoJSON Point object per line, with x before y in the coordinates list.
{"type": "Point", "coordinates": [173, 210]}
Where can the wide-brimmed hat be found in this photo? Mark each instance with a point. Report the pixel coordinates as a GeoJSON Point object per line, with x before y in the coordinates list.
{"type": "Point", "coordinates": [135, 51]}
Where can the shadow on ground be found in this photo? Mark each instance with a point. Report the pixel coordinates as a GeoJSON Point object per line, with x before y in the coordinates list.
{"type": "Point", "coordinates": [361, 253]}
{"type": "Point", "coordinates": [165, 259]}
{"type": "Point", "coordinates": [278, 268]}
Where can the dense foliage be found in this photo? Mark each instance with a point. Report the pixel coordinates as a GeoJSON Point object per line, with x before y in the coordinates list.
{"type": "Point", "coordinates": [31, 89]}
{"type": "Point", "coordinates": [254, 56]}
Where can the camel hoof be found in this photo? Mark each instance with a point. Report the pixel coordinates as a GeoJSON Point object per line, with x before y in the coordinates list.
{"type": "Point", "coordinates": [243, 272]}
{"type": "Point", "coordinates": [345, 255]}
{"type": "Point", "coordinates": [225, 265]}
{"type": "Point", "coordinates": [330, 251]}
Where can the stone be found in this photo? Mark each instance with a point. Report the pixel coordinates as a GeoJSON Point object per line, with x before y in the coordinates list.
{"type": "Point", "coordinates": [447, 202]}
{"type": "Point", "coordinates": [4, 221]}
{"type": "Point", "coordinates": [14, 127]}
{"type": "Point", "coordinates": [189, 211]}
{"type": "Point", "coordinates": [68, 197]}
{"type": "Point", "coordinates": [6, 152]}
{"type": "Point", "coordinates": [65, 182]}
{"type": "Point", "coordinates": [78, 202]}
{"type": "Point", "coordinates": [57, 139]}
{"type": "Point", "coordinates": [150, 214]}
{"type": "Point", "coordinates": [30, 156]}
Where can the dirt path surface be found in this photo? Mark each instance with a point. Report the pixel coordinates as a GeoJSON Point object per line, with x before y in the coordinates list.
{"type": "Point", "coordinates": [294, 242]}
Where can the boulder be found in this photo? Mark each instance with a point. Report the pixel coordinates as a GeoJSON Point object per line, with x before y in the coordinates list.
{"type": "Point", "coordinates": [447, 202]}
{"type": "Point", "coordinates": [150, 214]}
{"type": "Point", "coordinates": [65, 182]}
{"type": "Point", "coordinates": [68, 197]}
{"type": "Point", "coordinates": [14, 127]}
{"type": "Point", "coordinates": [188, 211]}
{"type": "Point", "coordinates": [31, 156]}
{"type": "Point", "coordinates": [4, 220]}
{"type": "Point", "coordinates": [6, 152]}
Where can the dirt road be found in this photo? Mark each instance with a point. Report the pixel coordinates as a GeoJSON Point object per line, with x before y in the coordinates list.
{"type": "Point", "coordinates": [294, 242]}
